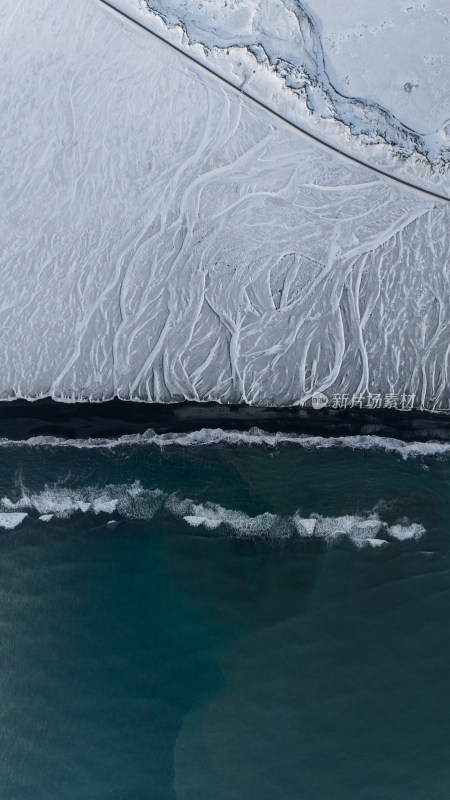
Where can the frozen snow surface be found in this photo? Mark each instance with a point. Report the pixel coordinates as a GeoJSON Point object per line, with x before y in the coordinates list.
{"type": "Point", "coordinates": [394, 52]}
{"type": "Point", "coordinates": [165, 238]}
{"type": "Point", "coordinates": [353, 73]}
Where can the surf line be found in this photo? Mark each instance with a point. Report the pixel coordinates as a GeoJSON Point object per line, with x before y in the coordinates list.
{"type": "Point", "coordinates": [267, 108]}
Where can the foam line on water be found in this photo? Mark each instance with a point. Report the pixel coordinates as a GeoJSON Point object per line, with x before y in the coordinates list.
{"type": "Point", "coordinates": [255, 436]}
{"type": "Point", "coordinates": [133, 501]}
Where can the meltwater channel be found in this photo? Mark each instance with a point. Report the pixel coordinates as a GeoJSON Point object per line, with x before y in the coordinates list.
{"type": "Point", "coordinates": [224, 616]}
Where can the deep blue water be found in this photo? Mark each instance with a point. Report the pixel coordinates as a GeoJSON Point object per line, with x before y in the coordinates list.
{"type": "Point", "coordinates": [164, 659]}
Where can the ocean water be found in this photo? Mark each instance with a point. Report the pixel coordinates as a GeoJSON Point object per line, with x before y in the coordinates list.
{"type": "Point", "coordinates": [247, 619]}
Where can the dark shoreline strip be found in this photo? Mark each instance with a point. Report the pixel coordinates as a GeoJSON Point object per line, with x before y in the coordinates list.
{"type": "Point", "coordinates": [22, 419]}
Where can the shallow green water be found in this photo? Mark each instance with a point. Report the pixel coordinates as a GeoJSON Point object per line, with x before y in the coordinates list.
{"type": "Point", "coordinates": [160, 659]}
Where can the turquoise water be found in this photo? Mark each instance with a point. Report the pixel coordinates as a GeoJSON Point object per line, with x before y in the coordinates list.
{"type": "Point", "coordinates": [226, 655]}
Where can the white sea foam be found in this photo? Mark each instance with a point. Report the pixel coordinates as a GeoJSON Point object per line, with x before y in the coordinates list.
{"type": "Point", "coordinates": [133, 501]}
{"type": "Point", "coordinates": [357, 528]}
{"type": "Point", "coordinates": [361, 530]}
{"type": "Point", "coordinates": [11, 520]}
{"type": "Point", "coordinates": [104, 506]}
{"type": "Point", "coordinates": [372, 543]}
{"type": "Point", "coordinates": [208, 522]}
{"type": "Point", "coordinates": [304, 527]}
{"type": "Point", "coordinates": [407, 531]}
{"type": "Point", "coordinates": [129, 500]}
{"type": "Point", "coordinates": [255, 436]}
{"type": "Point", "coordinates": [212, 515]}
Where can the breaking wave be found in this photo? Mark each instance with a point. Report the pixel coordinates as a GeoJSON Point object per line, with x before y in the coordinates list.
{"type": "Point", "coordinates": [255, 436]}
{"type": "Point", "coordinates": [134, 502]}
